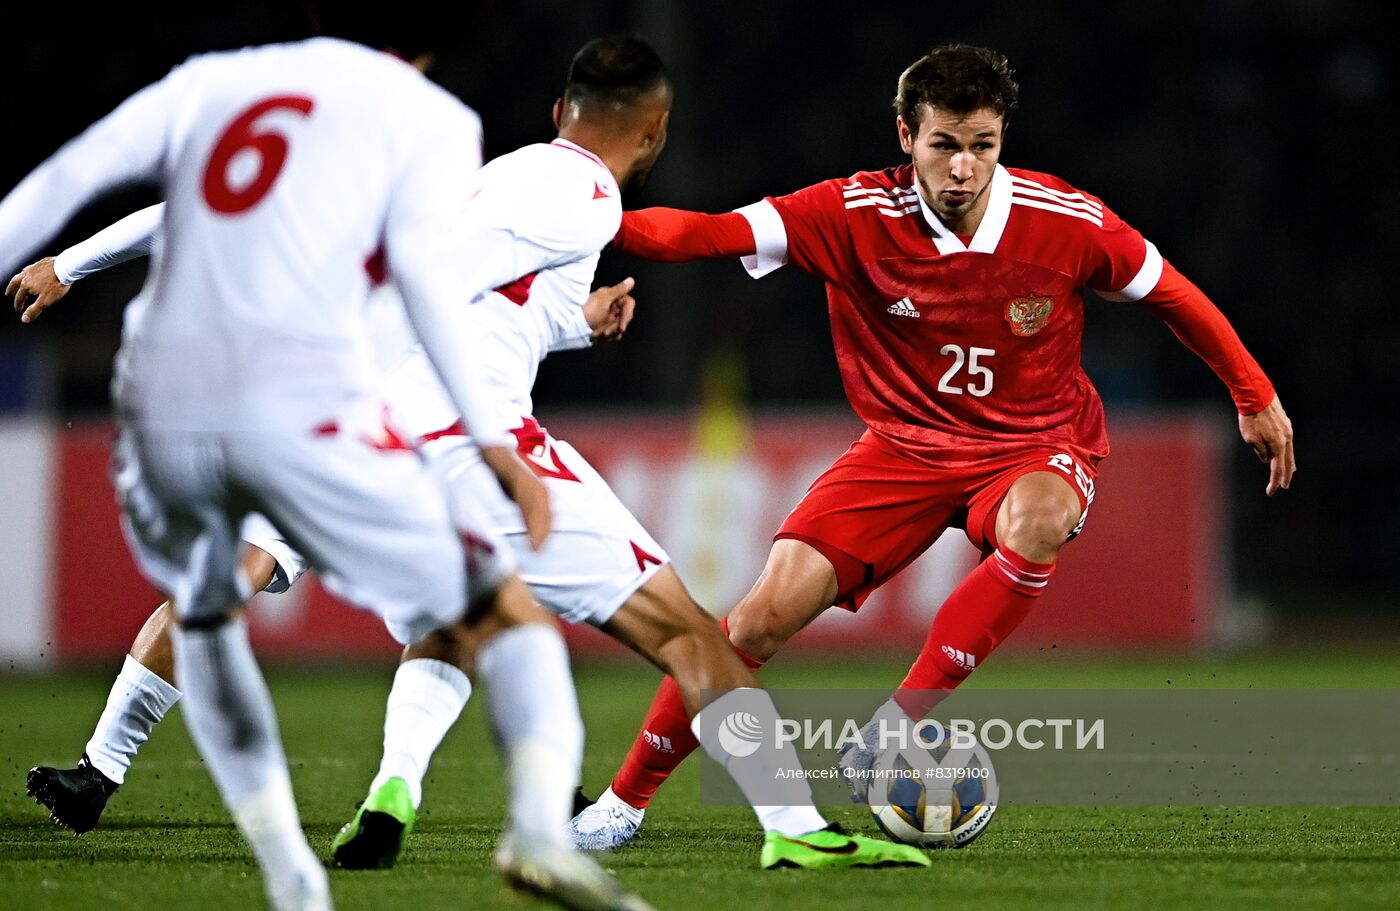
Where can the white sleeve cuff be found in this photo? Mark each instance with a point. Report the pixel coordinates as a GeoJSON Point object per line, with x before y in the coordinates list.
{"type": "Point", "coordinates": [575, 334]}
{"type": "Point", "coordinates": [65, 266]}
{"type": "Point", "coordinates": [1145, 280]}
{"type": "Point", "coordinates": [769, 238]}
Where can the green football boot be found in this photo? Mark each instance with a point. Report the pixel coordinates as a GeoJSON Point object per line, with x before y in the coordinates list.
{"type": "Point", "coordinates": [374, 838]}
{"type": "Point", "coordinates": [832, 848]}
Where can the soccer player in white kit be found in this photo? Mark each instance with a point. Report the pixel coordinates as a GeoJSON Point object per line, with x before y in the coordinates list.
{"type": "Point", "coordinates": [242, 386]}
{"type": "Point", "coordinates": [561, 203]}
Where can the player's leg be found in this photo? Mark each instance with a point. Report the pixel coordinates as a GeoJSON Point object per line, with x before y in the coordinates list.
{"type": "Point", "coordinates": [870, 514]}
{"type": "Point", "coordinates": [175, 491]}
{"type": "Point", "coordinates": [1023, 532]}
{"type": "Point", "coordinates": [663, 624]}
{"type": "Point", "coordinates": [504, 637]}
{"type": "Point", "coordinates": [1021, 518]}
{"type": "Point", "coordinates": [796, 585]}
{"type": "Point", "coordinates": [431, 687]}
{"type": "Point", "coordinates": [513, 645]}
{"type": "Point", "coordinates": [142, 694]}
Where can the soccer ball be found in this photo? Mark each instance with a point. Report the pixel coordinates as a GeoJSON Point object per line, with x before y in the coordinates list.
{"type": "Point", "coordinates": [943, 797]}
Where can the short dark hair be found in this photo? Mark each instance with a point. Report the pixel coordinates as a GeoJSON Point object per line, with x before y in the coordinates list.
{"type": "Point", "coordinates": [613, 72]}
{"type": "Point", "coordinates": [958, 78]}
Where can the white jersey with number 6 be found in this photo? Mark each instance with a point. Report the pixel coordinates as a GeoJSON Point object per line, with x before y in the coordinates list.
{"type": "Point", "coordinates": [291, 174]}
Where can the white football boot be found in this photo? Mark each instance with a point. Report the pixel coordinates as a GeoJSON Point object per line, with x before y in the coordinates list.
{"type": "Point", "coordinates": [557, 872]}
{"type": "Point", "coordinates": [609, 823]}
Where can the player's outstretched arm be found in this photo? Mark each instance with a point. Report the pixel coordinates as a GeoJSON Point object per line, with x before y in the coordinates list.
{"type": "Point", "coordinates": [1270, 434]}
{"type": "Point", "coordinates": [41, 285]}
{"type": "Point", "coordinates": [1204, 329]}
{"type": "Point", "coordinates": [35, 289]}
{"type": "Point", "coordinates": [678, 236]}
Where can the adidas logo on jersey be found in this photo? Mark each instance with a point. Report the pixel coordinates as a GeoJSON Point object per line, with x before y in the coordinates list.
{"type": "Point", "coordinates": [965, 660]}
{"type": "Point", "coordinates": [903, 307]}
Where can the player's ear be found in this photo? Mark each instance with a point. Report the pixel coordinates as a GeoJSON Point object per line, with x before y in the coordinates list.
{"type": "Point", "coordinates": [558, 112]}
{"type": "Point", "coordinates": [906, 135]}
{"type": "Point", "coordinates": [651, 132]}
{"type": "Point", "coordinates": [659, 126]}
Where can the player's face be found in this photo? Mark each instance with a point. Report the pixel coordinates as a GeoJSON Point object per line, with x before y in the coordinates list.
{"type": "Point", "coordinates": [954, 158]}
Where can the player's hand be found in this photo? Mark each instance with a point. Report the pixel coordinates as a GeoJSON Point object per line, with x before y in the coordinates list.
{"type": "Point", "coordinates": [35, 289]}
{"type": "Point", "coordinates": [1270, 434]}
{"type": "Point", "coordinates": [524, 487]}
{"type": "Point", "coordinates": [609, 310]}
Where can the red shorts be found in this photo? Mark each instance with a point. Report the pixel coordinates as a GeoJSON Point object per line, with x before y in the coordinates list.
{"type": "Point", "coordinates": [876, 509]}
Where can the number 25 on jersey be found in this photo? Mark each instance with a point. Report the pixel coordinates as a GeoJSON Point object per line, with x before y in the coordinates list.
{"type": "Point", "coordinates": [242, 136]}
{"type": "Point", "coordinates": [979, 377]}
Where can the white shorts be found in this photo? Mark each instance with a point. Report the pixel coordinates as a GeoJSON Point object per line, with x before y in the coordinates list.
{"type": "Point", "coordinates": [373, 521]}
{"type": "Point", "coordinates": [597, 555]}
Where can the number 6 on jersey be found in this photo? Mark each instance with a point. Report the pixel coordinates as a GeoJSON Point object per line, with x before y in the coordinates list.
{"type": "Point", "coordinates": [241, 135]}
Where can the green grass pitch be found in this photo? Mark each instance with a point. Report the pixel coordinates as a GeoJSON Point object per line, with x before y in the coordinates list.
{"type": "Point", "coordinates": [166, 841]}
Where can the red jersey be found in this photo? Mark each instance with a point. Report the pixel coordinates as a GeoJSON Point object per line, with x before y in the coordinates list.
{"type": "Point", "coordinates": [960, 347]}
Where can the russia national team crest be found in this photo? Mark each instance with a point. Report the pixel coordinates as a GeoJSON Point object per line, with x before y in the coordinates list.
{"type": "Point", "coordinates": [1028, 315]}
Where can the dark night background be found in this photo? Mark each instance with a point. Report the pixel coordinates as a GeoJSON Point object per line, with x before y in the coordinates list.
{"type": "Point", "coordinates": [1254, 143]}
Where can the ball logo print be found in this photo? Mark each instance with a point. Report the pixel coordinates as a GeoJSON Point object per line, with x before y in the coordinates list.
{"type": "Point", "coordinates": [740, 734]}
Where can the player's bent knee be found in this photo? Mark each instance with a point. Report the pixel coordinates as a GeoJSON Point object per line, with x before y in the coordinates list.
{"type": "Point", "coordinates": [759, 627]}
{"type": "Point", "coordinates": [1039, 529]}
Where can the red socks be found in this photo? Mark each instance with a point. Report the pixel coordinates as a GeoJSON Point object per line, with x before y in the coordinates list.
{"type": "Point", "coordinates": [664, 742]}
{"type": "Point", "coordinates": [980, 613]}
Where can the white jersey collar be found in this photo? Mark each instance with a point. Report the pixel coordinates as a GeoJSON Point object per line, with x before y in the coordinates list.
{"type": "Point", "coordinates": [993, 220]}
{"type": "Point", "coordinates": [565, 144]}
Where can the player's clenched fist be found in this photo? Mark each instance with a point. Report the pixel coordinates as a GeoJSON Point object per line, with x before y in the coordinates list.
{"type": "Point", "coordinates": [35, 289]}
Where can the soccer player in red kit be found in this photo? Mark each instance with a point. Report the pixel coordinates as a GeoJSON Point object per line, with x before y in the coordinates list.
{"type": "Point", "coordinates": [955, 289]}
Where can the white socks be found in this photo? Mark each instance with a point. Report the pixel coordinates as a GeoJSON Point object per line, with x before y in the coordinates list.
{"type": "Point", "coordinates": [269, 821]}
{"type": "Point", "coordinates": [534, 711]}
{"type": "Point", "coordinates": [738, 730]}
{"type": "Point", "coordinates": [138, 701]}
{"type": "Point", "coordinates": [424, 702]}
{"type": "Point", "coordinates": [232, 722]}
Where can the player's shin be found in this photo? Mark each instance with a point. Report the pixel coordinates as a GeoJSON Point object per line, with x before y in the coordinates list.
{"type": "Point", "coordinates": [738, 730]}
{"type": "Point", "coordinates": [664, 741]}
{"type": "Point", "coordinates": [231, 720]}
{"type": "Point", "coordinates": [977, 617]}
{"type": "Point", "coordinates": [139, 699]}
{"type": "Point", "coordinates": [424, 702]}
{"type": "Point", "coordinates": [534, 713]}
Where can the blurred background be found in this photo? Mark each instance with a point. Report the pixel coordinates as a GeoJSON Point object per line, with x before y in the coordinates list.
{"type": "Point", "coordinates": [1254, 143]}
